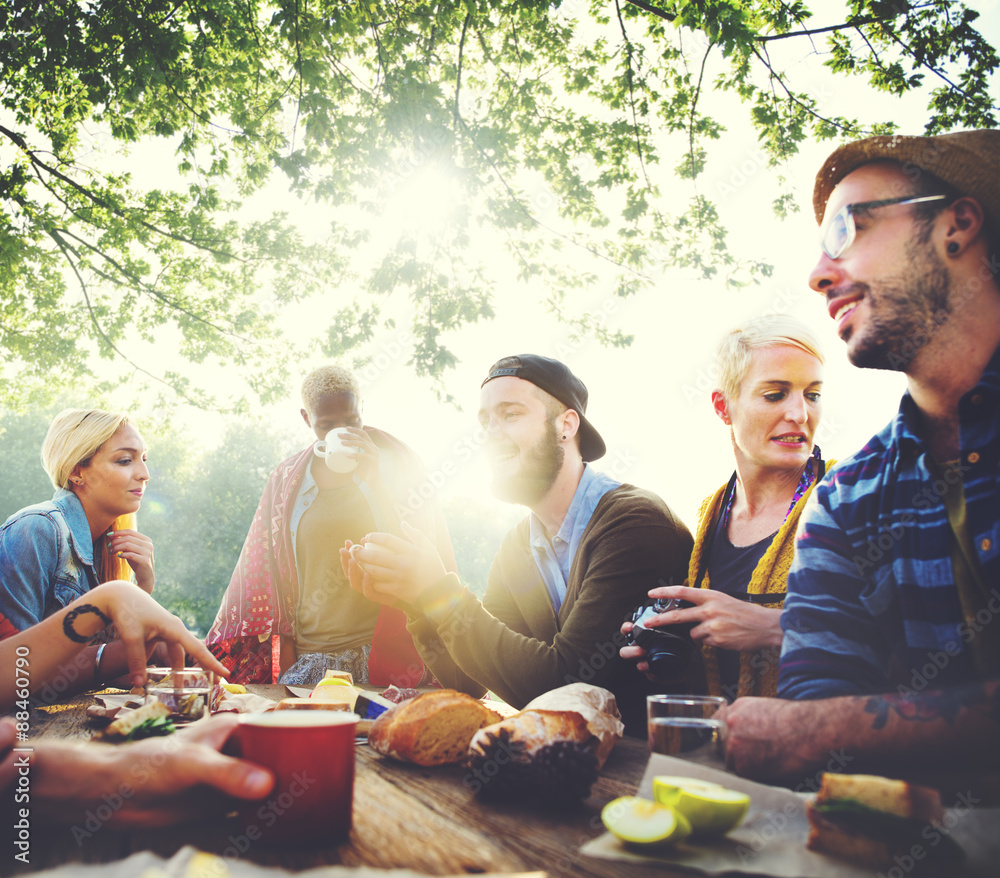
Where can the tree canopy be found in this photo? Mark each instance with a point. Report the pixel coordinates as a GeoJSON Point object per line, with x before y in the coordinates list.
{"type": "Point", "coordinates": [554, 127]}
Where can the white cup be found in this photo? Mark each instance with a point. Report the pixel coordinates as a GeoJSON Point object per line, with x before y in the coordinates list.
{"type": "Point", "coordinates": [339, 457]}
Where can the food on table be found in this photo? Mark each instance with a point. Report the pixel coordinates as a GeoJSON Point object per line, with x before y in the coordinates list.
{"type": "Point", "coordinates": [333, 681]}
{"type": "Point", "coordinates": [432, 729]}
{"type": "Point", "coordinates": [157, 727]}
{"type": "Point", "coordinates": [310, 704]}
{"type": "Point", "coordinates": [710, 808]}
{"type": "Point", "coordinates": [643, 824]}
{"type": "Point", "coordinates": [339, 675]}
{"type": "Point", "coordinates": [128, 721]}
{"type": "Point", "coordinates": [538, 753]}
{"type": "Point", "coordinates": [872, 819]}
{"type": "Point", "coordinates": [324, 692]}
{"type": "Point", "coordinates": [553, 749]}
{"type": "Point", "coordinates": [396, 695]}
{"type": "Point", "coordinates": [234, 688]}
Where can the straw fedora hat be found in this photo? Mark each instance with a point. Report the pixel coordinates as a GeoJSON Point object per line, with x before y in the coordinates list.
{"type": "Point", "coordinates": [968, 160]}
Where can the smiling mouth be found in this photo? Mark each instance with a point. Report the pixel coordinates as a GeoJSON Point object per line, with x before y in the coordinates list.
{"type": "Point", "coordinates": [790, 439]}
{"type": "Point", "coordinates": [845, 309]}
{"type": "Point", "coordinates": [502, 456]}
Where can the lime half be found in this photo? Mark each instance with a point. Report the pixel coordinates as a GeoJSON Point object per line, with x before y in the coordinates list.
{"type": "Point", "coordinates": [643, 823]}
{"type": "Point", "coordinates": [710, 808]}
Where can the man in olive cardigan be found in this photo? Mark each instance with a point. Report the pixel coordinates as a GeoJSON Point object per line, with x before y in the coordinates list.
{"type": "Point", "coordinates": [564, 578]}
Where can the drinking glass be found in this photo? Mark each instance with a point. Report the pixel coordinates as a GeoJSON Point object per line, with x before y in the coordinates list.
{"type": "Point", "coordinates": [185, 692]}
{"type": "Point", "coordinates": [683, 725]}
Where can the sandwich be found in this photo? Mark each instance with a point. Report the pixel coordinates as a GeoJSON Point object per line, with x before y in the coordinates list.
{"type": "Point", "coordinates": [875, 821]}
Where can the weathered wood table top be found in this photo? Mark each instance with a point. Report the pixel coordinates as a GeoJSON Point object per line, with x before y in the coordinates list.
{"type": "Point", "coordinates": [405, 816]}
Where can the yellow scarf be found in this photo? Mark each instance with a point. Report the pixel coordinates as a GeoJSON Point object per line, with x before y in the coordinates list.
{"type": "Point", "coordinates": [759, 667]}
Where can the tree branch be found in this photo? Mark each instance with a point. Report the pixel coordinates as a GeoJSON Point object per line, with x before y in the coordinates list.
{"type": "Point", "coordinates": [461, 56]}
{"type": "Point", "coordinates": [68, 253]}
{"type": "Point", "coordinates": [655, 10]}
{"type": "Point", "coordinates": [138, 283]}
{"type": "Point", "coordinates": [631, 92]}
{"type": "Point", "coordinates": [819, 30]}
{"type": "Point", "coordinates": [37, 163]}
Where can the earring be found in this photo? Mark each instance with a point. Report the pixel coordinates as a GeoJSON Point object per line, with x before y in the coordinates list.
{"type": "Point", "coordinates": [564, 437]}
{"type": "Point", "coordinates": [952, 247]}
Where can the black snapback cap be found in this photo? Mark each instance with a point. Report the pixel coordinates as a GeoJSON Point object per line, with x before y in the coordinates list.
{"type": "Point", "coordinates": [556, 379]}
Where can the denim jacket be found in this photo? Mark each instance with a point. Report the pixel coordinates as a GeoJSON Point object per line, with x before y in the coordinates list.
{"type": "Point", "coordinates": [46, 559]}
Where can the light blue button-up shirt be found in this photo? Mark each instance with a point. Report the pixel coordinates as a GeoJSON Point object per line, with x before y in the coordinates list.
{"type": "Point", "coordinates": [308, 492]}
{"type": "Point", "coordinates": [555, 559]}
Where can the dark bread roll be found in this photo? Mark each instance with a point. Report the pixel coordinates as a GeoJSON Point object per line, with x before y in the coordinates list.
{"type": "Point", "coordinates": [552, 750]}
{"type": "Point", "coordinates": [547, 754]}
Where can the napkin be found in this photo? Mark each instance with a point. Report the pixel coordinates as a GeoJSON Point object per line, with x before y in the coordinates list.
{"type": "Point", "coordinates": [772, 838]}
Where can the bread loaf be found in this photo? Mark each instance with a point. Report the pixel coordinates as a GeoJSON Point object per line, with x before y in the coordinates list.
{"type": "Point", "coordinates": [553, 749]}
{"type": "Point", "coordinates": [432, 729]}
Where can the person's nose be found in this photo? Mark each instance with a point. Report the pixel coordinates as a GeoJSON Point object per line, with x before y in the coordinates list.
{"type": "Point", "coordinates": [826, 274]}
{"type": "Point", "coordinates": [491, 426]}
{"type": "Point", "coordinates": [143, 472]}
{"type": "Point", "coordinates": [795, 410]}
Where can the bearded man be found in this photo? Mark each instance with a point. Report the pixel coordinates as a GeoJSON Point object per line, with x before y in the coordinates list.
{"type": "Point", "coordinates": [891, 651]}
{"type": "Point", "coordinates": [564, 578]}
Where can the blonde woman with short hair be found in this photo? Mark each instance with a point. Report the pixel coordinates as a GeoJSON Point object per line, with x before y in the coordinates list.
{"type": "Point", "coordinates": [768, 396]}
{"type": "Point", "coordinates": [54, 552]}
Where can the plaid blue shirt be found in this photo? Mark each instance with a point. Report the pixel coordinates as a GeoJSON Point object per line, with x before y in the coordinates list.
{"type": "Point", "coordinates": [872, 584]}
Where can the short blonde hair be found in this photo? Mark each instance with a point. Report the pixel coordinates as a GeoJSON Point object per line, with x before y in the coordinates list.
{"type": "Point", "coordinates": [328, 381]}
{"type": "Point", "coordinates": [74, 437]}
{"type": "Point", "coordinates": [737, 347]}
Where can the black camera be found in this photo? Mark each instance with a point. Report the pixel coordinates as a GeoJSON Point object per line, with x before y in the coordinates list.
{"type": "Point", "coordinates": [668, 649]}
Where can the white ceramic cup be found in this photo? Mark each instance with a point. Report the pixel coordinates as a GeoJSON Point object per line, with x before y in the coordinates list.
{"type": "Point", "coordinates": [339, 457]}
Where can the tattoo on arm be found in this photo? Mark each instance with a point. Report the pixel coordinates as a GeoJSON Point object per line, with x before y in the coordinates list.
{"type": "Point", "coordinates": [70, 618]}
{"type": "Point", "coordinates": [944, 704]}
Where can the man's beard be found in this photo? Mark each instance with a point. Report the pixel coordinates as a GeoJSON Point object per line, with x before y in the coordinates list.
{"type": "Point", "coordinates": [538, 471]}
{"type": "Point", "coordinates": [911, 308]}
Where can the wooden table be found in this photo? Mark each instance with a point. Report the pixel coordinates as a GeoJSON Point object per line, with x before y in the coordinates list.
{"type": "Point", "coordinates": [405, 816]}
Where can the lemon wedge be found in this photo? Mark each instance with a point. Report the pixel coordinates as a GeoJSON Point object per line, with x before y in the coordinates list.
{"type": "Point", "coordinates": [642, 823]}
{"type": "Point", "coordinates": [235, 688]}
{"type": "Point", "coordinates": [333, 681]}
{"type": "Point", "coordinates": [710, 808]}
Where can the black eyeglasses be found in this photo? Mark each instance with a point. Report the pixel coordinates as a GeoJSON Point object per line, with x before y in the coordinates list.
{"type": "Point", "coordinates": [840, 230]}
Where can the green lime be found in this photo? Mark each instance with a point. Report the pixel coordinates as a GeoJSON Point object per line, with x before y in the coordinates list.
{"type": "Point", "coordinates": [642, 823]}
{"type": "Point", "coordinates": [710, 808]}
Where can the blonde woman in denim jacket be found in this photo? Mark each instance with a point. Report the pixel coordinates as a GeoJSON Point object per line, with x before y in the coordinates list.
{"type": "Point", "coordinates": [54, 552]}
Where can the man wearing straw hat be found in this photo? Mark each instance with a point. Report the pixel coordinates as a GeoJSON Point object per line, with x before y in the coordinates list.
{"type": "Point", "coordinates": [891, 652]}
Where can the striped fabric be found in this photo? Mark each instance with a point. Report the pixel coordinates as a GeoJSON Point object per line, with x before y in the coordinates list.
{"type": "Point", "coordinates": [872, 604]}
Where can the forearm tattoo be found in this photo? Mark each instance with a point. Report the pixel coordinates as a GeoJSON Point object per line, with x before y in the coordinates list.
{"type": "Point", "coordinates": [70, 618]}
{"type": "Point", "coordinates": [944, 705]}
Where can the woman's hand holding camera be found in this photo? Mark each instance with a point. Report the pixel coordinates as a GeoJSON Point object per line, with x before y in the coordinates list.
{"type": "Point", "coordinates": [719, 619]}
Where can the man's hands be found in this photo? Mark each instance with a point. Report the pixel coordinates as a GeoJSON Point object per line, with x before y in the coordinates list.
{"type": "Point", "coordinates": [386, 568]}
{"type": "Point", "coordinates": [720, 620]}
{"type": "Point", "coordinates": [169, 780]}
{"type": "Point", "coordinates": [137, 549]}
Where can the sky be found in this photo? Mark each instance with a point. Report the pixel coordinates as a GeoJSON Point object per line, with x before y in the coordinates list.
{"type": "Point", "coordinates": [651, 400]}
